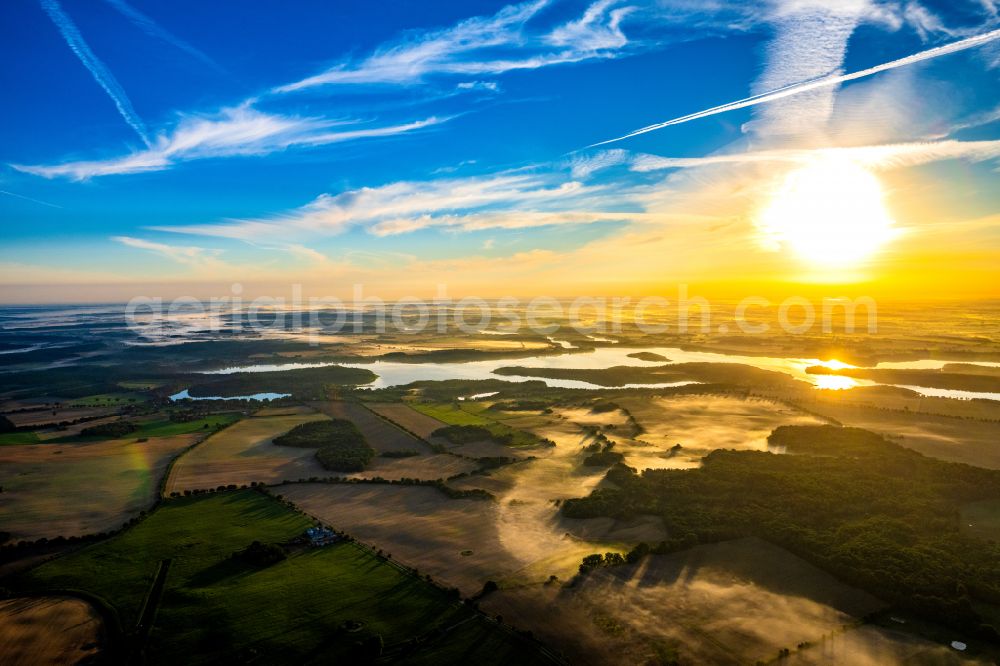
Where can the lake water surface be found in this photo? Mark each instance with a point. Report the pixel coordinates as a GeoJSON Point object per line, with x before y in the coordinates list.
{"type": "Point", "coordinates": [395, 373]}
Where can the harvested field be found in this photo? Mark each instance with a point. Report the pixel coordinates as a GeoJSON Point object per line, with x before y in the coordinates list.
{"type": "Point", "coordinates": [48, 630]}
{"type": "Point", "coordinates": [243, 453]}
{"type": "Point", "coordinates": [37, 418]}
{"type": "Point", "coordinates": [293, 410]}
{"type": "Point", "coordinates": [429, 468]}
{"type": "Point", "coordinates": [74, 430]}
{"type": "Point", "coordinates": [407, 417]}
{"type": "Point", "coordinates": [381, 435]}
{"type": "Point", "coordinates": [972, 441]}
{"type": "Point", "coordinates": [73, 489]}
{"type": "Point", "coordinates": [519, 538]}
{"type": "Point", "coordinates": [420, 526]}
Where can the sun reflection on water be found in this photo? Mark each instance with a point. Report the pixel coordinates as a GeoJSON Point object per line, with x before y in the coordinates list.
{"type": "Point", "coordinates": [835, 382]}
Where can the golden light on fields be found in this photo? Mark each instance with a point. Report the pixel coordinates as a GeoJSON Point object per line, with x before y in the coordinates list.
{"type": "Point", "coordinates": [831, 214]}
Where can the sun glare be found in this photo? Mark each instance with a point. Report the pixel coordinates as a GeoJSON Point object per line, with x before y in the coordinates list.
{"type": "Point", "coordinates": [830, 213]}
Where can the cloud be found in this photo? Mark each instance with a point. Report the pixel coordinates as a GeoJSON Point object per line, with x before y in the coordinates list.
{"type": "Point", "coordinates": [598, 28]}
{"type": "Point", "coordinates": [476, 46]}
{"type": "Point", "coordinates": [810, 41]}
{"type": "Point", "coordinates": [197, 257]}
{"type": "Point", "coordinates": [503, 219]}
{"type": "Point", "coordinates": [152, 28]}
{"type": "Point", "coordinates": [308, 253]}
{"type": "Point", "coordinates": [511, 200]}
{"type": "Point", "coordinates": [97, 69]}
{"type": "Point", "coordinates": [491, 86]}
{"type": "Point", "coordinates": [582, 166]}
{"type": "Point", "coordinates": [236, 131]}
{"type": "Point", "coordinates": [978, 119]}
{"type": "Point", "coordinates": [815, 84]}
{"type": "Point", "coordinates": [878, 158]}
{"type": "Point", "coordinates": [482, 45]}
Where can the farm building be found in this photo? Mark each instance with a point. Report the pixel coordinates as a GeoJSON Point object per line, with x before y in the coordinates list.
{"type": "Point", "coordinates": [321, 536]}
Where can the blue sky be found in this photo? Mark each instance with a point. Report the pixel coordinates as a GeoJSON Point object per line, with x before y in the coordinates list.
{"type": "Point", "coordinates": [191, 142]}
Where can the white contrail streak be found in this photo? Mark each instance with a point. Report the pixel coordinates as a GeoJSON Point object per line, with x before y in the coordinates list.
{"type": "Point", "coordinates": [93, 64]}
{"type": "Point", "coordinates": [152, 28]}
{"type": "Point", "coordinates": [21, 196]}
{"type": "Point", "coordinates": [804, 86]}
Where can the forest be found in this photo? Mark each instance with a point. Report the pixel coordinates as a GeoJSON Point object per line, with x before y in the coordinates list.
{"type": "Point", "coordinates": [872, 513]}
{"type": "Point", "coordinates": [341, 447]}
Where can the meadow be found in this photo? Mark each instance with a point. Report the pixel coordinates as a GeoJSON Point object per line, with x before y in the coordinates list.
{"type": "Point", "coordinates": [313, 606]}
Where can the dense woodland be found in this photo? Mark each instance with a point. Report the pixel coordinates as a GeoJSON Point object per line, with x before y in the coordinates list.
{"type": "Point", "coordinates": [874, 514]}
{"type": "Point", "coordinates": [341, 446]}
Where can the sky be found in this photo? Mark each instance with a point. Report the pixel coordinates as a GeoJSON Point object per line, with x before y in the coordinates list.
{"type": "Point", "coordinates": [547, 147]}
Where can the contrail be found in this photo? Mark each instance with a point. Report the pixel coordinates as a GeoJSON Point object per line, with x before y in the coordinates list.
{"type": "Point", "coordinates": [93, 64]}
{"type": "Point", "coordinates": [21, 196]}
{"type": "Point", "coordinates": [822, 82]}
{"type": "Point", "coordinates": [152, 28]}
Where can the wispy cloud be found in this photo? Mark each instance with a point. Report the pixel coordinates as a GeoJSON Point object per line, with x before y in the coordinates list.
{"type": "Point", "coordinates": [97, 69]}
{"type": "Point", "coordinates": [197, 257]}
{"type": "Point", "coordinates": [483, 45]}
{"type": "Point", "coordinates": [152, 28]}
{"type": "Point", "coordinates": [538, 198]}
{"type": "Point", "coordinates": [810, 41]}
{"type": "Point", "coordinates": [815, 84]}
{"type": "Point", "coordinates": [500, 219]}
{"type": "Point", "coordinates": [306, 253]}
{"type": "Point", "coordinates": [490, 86]}
{"type": "Point", "coordinates": [582, 166]}
{"type": "Point", "coordinates": [505, 200]}
{"type": "Point", "coordinates": [476, 47]}
{"type": "Point", "coordinates": [237, 131]}
{"type": "Point", "coordinates": [882, 157]}
{"type": "Point", "coordinates": [598, 28]}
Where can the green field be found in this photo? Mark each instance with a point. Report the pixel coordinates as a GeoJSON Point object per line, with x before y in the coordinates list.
{"type": "Point", "coordinates": [450, 413]}
{"type": "Point", "coordinates": [140, 385]}
{"type": "Point", "coordinates": [474, 414]}
{"type": "Point", "coordinates": [106, 399]}
{"type": "Point", "coordinates": [158, 426]}
{"type": "Point", "coordinates": [18, 438]}
{"type": "Point", "coordinates": [168, 428]}
{"type": "Point", "coordinates": [217, 609]}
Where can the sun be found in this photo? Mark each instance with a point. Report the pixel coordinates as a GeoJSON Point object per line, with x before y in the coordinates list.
{"type": "Point", "coordinates": [831, 214]}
